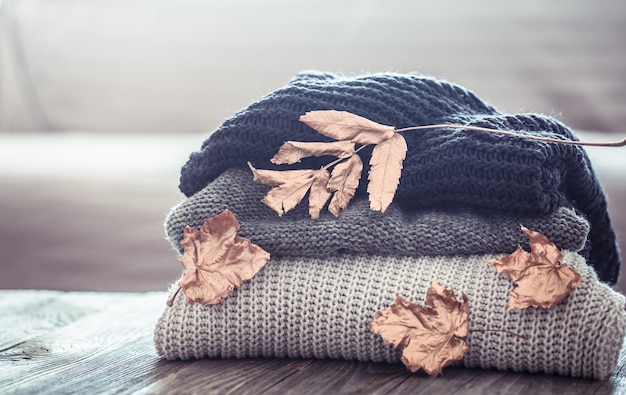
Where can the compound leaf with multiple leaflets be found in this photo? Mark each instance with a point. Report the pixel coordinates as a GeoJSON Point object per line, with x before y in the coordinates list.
{"type": "Point", "coordinates": [385, 165]}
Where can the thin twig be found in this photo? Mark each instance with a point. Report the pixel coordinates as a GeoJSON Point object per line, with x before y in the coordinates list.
{"type": "Point", "coordinates": [331, 164]}
{"type": "Point", "coordinates": [509, 133]}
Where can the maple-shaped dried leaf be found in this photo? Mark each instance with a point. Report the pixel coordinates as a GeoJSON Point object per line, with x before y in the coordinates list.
{"type": "Point", "coordinates": [293, 151]}
{"type": "Point", "coordinates": [385, 171]}
{"type": "Point", "coordinates": [343, 125]}
{"type": "Point", "coordinates": [344, 180]}
{"type": "Point", "coordinates": [217, 260]}
{"type": "Point", "coordinates": [290, 187]}
{"type": "Point", "coordinates": [542, 279]}
{"type": "Point", "coordinates": [430, 337]}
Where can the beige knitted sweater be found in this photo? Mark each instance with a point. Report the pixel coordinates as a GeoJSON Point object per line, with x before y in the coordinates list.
{"type": "Point", "coordinates": [320, 308]}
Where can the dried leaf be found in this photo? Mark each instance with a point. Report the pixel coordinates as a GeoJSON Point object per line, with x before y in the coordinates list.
{"type": "Point", "coordinates": [290, 187]}
{"type": "Point", "coordinates": [385, 171]}
{"type": "Point", "coordinates": [430, 337]}
{"type": "Point", "coordinates": [542, 279]}
{"type": "Point", "coordinates": [319, 194]}
{"type": "Point", "coordinates": [293, 151]}
{"type": "Point", "coordinates": [277, 177]}
{"type": "Point", "coordinates": [217, 260]}
{"type": "Point", "coordinates": [342, 125]}
{"type": "Point", "coordinates": [344, 180]}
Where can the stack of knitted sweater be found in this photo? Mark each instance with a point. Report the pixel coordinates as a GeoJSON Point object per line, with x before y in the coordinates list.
{"type": "Point", "coordinates": [461, 200]}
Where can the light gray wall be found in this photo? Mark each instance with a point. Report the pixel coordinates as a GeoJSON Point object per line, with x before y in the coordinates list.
{"type": "Point", "coordinates": [157, 65]}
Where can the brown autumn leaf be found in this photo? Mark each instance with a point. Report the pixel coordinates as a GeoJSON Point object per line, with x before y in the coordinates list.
{"type": "Point", "coordinates": [542, 279]}
{"type": "Point", "coordinates": [430, 337]}
{"type": "Point", "coordinates": [385, 171]}
{"type": "Point", "coordinates": [277, 177]}
{"type": "Point", "coordinates": [344, 180]}
{"type": "Point", "coordinates": [290, 187]}
{"type": "Point", "coordinates": [293, 151]}
{"type": "Point", "coordinates": [343, 125]}
{"type": "Point", "coordinates": [217, 260]}
{"type": "Point", "coordinates": [319, 194]}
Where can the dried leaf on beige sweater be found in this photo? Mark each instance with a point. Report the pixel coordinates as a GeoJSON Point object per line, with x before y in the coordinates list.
{"type": "Point", "coordinates": [217, 260]}
{"type": "Point", "coordinates": [430, 337]}
{"type": "Point", "coordinates": [542, 279]}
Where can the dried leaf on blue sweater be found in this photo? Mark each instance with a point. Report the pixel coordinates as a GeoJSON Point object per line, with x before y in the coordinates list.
{"type": "Point", "coordinates": [344, 180]}
{"type": "Point", "coordinates": [285, 195]}
{"type": "Point", "coordinates": [385, 171]}
{"type": "Point", "coordinates": [319, 194]}
{"type": "Point", "coordinates": [542, 279]}
{"type": "Point", "coordinates": [290, 187]}
{"type": "Point", "coordinates": [275, 177]}
{"type": "Point", "coordinates": [430, 337]}
{"type": "Point", "coordinates": [293, 151]}
{"type": "Point", "coordinates": [342, 125]}
{"type": "Point", "coordinates": [217, 260]}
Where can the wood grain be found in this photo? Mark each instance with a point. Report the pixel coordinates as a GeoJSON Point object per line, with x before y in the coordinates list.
{"type": "Point", "coordinates": [85, 342]}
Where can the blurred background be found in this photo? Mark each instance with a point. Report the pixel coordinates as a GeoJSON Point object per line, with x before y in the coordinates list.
{"type": "Point", "coordinates": [101, 102]}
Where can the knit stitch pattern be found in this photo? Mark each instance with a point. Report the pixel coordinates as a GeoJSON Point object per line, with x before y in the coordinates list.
{"type": "Point", "coordinates": [312, 307]}
{"type": "Point", "coordinates": [444, 169]}
{"type": "Point", "coordinates": [399, 231]}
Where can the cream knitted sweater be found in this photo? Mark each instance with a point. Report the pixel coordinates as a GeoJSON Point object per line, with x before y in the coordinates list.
{"type": "Point", "coordinates": [321, 307]}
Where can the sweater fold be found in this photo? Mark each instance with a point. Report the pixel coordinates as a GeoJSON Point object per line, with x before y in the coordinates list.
{"type": "Point", "coordinates": [445, 169]}
{"type": "Point", "coordinates": [399, 231]}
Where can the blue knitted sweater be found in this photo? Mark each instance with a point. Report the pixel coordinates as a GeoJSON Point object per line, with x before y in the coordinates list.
{"type": "Point", "coordinates": [446, 169]}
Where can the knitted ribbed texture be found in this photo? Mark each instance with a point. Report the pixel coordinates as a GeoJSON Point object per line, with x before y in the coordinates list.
{"type": "Point", "coordinates": [400, 231]}
{"type": "Point", "coordinates": [321, 307]}
{"type": "Point", "coordinates": [444, 169]}
{"type": "Point", "coordinates": [461, 199]}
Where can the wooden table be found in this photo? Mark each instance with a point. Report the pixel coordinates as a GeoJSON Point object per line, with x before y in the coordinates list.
{"type": "Point", "coordinates": [86, 342]}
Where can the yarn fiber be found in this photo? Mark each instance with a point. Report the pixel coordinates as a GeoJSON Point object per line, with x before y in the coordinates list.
{"type": "Point", "coordinates": [399, 231]}
{"type": "Point", "coordinates": [306, 307]}
{"type": "Point", "coordinates": [444, 169]}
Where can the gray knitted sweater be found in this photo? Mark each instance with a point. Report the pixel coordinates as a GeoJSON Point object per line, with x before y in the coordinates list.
{"type": "Point", "coordinates": [400, 231]}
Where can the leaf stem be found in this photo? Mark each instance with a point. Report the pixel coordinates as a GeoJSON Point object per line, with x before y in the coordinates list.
{"type": "Point", "coordinates": [500, 330]}
{"type": "Point", "coordinates": [333, 163]}
{"type": "Point", "coordinates": [509, 133]}
{"type": "Point", "coordinates": [170, 301]}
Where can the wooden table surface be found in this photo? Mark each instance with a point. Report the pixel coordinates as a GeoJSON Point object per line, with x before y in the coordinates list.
{"type": "Point", "coordinates": [55, 342]}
